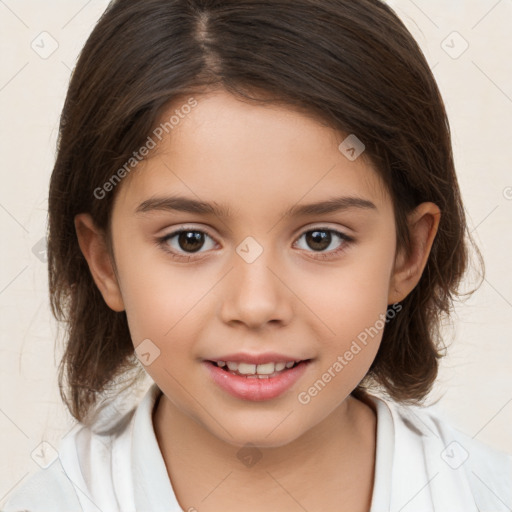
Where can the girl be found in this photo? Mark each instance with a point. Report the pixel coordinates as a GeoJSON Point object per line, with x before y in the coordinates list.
{"type": "Point", "coordinates": [304, 148]}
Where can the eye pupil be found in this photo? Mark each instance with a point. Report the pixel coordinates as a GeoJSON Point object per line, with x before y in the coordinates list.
{"type": "Point", "coordinates": [319, 240]}
{"type": "Point", "coordinates": [187, 238]}
{"type": "Point", "coordinates": [190, 241]}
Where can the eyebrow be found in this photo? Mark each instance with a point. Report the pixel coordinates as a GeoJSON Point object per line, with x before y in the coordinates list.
{"type": "Point", "coordinates": [189, 205]}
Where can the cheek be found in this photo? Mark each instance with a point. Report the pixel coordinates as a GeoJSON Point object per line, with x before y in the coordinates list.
{"type": "Point", "coordinates": [164, 306]}
{"type": "Point", "coordinates": [351, 297]}
{"type": "Point", "coordinates": [354, 309]}
{"type": "Point", "coordinates": [352, 302]}
{"type": "Point", "coordinates": [159, 298]}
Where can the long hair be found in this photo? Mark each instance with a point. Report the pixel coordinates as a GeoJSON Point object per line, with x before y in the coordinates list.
{"type": "Point", "coordinates": [351, 63]}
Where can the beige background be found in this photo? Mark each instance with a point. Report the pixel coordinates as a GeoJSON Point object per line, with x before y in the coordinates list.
{"type": "Point", "coordinates": [475, 384]}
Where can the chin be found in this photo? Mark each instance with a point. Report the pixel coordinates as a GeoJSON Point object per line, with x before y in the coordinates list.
{"type": "Point", "coordinates": [259, 434]}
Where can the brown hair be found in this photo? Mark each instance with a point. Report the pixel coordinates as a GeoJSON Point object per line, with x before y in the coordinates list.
{"type": "Point", "coordinates": [351, 63]}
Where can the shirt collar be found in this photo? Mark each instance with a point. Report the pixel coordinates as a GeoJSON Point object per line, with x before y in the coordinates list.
{"type": "Point", "coordinates": [151, 485]}
{"type": "Point", "coordinates": [153, 489]}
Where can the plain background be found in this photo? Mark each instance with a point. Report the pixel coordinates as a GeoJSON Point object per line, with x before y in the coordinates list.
{"type": "Point", "coordinates": [475, 382]}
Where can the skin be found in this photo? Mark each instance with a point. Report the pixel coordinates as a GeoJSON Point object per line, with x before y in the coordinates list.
{"type": "Point", "coordinates": [259, 161]}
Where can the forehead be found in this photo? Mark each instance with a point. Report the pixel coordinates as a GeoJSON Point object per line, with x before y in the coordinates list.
{"type": "Point", "coordinates": [234, 153]}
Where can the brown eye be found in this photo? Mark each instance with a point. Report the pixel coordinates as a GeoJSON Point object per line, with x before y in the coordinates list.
{"type": "Point", "coordinates": [190, 241]}
{"type": "Point", "coordinates": [320, 239]}
{"type": "Point", "coordinates": [185, 242]}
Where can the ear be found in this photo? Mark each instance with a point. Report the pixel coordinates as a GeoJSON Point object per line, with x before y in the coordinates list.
{"type": "Point", "coordinates": [423, 223]}
{"type": "Point", "coordinates": [93, 245]}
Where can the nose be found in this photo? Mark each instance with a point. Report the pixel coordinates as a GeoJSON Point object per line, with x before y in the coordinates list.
{"type": "Point", "coordinates": [256, 293]}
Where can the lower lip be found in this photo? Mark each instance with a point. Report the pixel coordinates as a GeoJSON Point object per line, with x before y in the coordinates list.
{"type": "Point", "coordinates": [255, 389]}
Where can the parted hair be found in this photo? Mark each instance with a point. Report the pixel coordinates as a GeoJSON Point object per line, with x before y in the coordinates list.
{"type": "Point", "coordinates": [351, 63]}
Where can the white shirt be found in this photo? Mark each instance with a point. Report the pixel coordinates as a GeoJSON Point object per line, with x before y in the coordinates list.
{"type": "Point", "coordinates": [423, 464]}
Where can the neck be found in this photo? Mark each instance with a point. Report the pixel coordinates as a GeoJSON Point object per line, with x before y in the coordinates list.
{"type": "Point", "coordinates": [332, 461]}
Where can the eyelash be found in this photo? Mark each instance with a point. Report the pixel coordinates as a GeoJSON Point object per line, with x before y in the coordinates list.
{"type": "Point", "coordinates": [163, 242]}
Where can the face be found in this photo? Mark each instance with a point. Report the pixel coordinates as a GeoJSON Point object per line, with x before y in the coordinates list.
{"type": "Point", "coordinates": [253, 283]}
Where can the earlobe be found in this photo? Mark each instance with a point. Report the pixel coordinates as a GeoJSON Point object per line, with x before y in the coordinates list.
{"type": "Point", "coordinates": [423, 225]}
{"type": "Point", "coordinates": [93, 246]}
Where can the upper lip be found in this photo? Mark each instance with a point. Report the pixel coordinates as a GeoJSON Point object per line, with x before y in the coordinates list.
{"type": "Point", "coordinates": [266, 357]}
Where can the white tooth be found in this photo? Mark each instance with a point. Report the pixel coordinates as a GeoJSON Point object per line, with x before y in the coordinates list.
{"type": "Point", "coordinates": [252, 376]}
{"type": "Point", "coordinates": [289, 364]}
{"type": "Point", "coordinates": [263, 376]}
{"type": "Point", "coordinates": [221, 363]}
{"type": "Point", "coordinates": [246, 369]}
{"type": "Point", "coordinates": [280, 366]}
{"type": "Point", "coordinates": [265, 369]}
{"type": "Point", "coordinates": [232, 366]}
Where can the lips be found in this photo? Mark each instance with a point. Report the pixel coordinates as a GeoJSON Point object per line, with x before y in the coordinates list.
{"type": "Point", "coordinates": [256, 377]}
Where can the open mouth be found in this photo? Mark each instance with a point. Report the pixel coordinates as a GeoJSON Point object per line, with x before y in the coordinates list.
{"type": "Point", "coordinates": [256, 382]}
{"type": "Point", "coordinates": [260, 371]}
